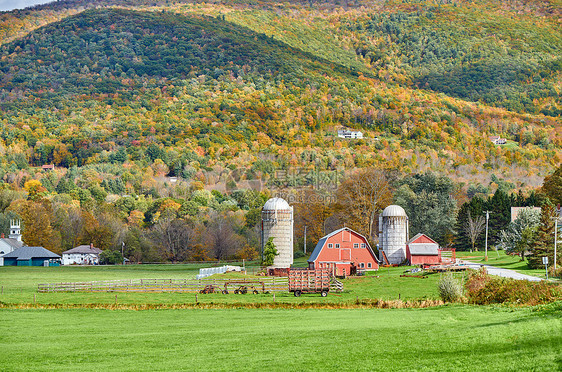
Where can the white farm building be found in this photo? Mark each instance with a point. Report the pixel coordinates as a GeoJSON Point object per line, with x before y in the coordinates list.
{"type": "Point", "coordinates": [82, 255]}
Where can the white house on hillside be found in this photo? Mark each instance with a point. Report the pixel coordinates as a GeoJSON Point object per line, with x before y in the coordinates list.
{"type": "Point", "coordinates": [348, 134]}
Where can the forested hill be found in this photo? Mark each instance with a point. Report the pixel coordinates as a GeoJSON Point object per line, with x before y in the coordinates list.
{"type": "Point", "coordinates": [91, 52]}
{"type": "Point", "coordinates": [255, 87]}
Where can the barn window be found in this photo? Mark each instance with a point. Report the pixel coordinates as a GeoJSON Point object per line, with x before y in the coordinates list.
{"type": "Point", "coordinates": [369, 265]}
{"type": "Point", "coordinates": [362, 265]}
{"type": "Point", "coordinates": [355, 245]}
{"type": "Point", "coordinates": [337, 245]}
{"type": "Point", "coordinates": [363, 245]}
{"type": "Point", "coordinates": [330, 245]}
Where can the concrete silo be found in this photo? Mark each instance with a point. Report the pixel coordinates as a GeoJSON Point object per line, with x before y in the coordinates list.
{"type": "Point", "coordinates": [277, 222]}
{"type": "Point", "coordinates": [393, 234]}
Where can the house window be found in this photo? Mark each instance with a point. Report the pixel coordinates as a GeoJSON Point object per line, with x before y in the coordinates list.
{"type": "Point", "coordinates": [330, 245]}
{"type": "Point", "coordinates": [363, 245]}
{"type": "Point", "coordinates": [337, 245]}
{"type": "Point", "coordinates": [355, 245]}
{"type": "Point", "coordinates": [362, 265]}
{"type": "Point", "coordinates": [369, 265]}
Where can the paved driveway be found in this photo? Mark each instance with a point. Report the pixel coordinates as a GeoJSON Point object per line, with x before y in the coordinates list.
{"type": "Point", "coordinates": [506, 273]}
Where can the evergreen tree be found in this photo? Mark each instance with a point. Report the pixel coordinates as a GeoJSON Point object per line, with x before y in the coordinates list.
{"type": "Point", "coordinates": [543, 244]}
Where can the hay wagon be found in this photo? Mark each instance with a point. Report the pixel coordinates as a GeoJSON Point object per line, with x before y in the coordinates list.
{"type": "Point", "coordinates": [309, 281]}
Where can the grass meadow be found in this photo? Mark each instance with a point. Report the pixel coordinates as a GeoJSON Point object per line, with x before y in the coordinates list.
{"type": "Point", "coordinates": [447, 338]}
{"type": "Point", "coordinates": [500, 259]}
{"type": "Point", "coordinates": [78, 336]}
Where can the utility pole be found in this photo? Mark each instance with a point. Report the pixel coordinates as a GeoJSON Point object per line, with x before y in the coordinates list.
{"type": "Point", "coordinates": [486, 244]}
{"type": "Point", "coordinates": [305, 240]}
{"type": "Point", "coordinates": [555, 239]}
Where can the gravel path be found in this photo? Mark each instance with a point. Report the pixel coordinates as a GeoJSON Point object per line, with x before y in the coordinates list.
{"type": "Point", "coordinates": [506, 273]}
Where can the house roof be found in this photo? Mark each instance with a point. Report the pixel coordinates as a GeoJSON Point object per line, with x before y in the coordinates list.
{"type": "Point", "coordinates": [83, 249]}
{"type": "Point", "coordinates": [26, 253]}
{"type": "Point", "coordinates": [14, 243]}
{"type": "Point", "coordinates": [322, 241]}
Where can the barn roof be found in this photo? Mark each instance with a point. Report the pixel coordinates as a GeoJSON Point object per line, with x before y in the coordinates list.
{"type": "Point", "coordinates": [423, 245]}
{"type": "Point", "coordinates": [421, 238]}
{"type": "Point", "coordinates": [83, 249]}
{"type": "Point", "coordinates": [322, 241]}
{"type": "Point", "coordinates": [26, 253]}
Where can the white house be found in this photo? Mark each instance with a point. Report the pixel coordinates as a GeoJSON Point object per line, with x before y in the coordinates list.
{"type": "Point", "coordinates": [82, 255]}
{"type": "Point", "coordinates": [349, 134]}
{"type": "Point", "coordinates": [12, 242]}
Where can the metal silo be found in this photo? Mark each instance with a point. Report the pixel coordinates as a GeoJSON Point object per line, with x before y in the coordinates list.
{"type": "Point", "coordinates": [393, 234]}
{"type": "Point", "coordinates": [277, 222]}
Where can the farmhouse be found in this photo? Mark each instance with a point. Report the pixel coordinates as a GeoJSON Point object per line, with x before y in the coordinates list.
{"type": "Point", "coordinates": [343, 251]}
{"type": "Point", "coordinates": [422, 250]}
{"type": "Point", "coordinates": [31, 256]}
{"type": "Point", "coordinates": [349, 134]}
{"type": "Point", "coordinates": [81, 255]}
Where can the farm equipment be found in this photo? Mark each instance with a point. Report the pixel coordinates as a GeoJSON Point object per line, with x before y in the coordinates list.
{"type": "Point", "coordinates": [243, 287]}
{"type": "Point", "coordinates": [310, 281]}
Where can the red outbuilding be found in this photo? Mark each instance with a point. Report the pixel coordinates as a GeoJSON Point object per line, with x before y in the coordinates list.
{"type": "Point", "coordinates": [343, 251]}
{"type": "Point", "coordinates": [422, 250]}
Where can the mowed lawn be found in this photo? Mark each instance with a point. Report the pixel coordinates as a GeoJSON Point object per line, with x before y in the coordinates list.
{"type": "Point", "coordinates": [500, 259]}
{"type": "Point", "coordinates": [450, 338]}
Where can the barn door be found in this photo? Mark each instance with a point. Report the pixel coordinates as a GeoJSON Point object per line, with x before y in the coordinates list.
{"type": "Point", "coordinates": [345, 254]}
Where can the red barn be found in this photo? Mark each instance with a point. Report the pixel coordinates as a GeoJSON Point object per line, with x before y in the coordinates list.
{"type": "Point", "coordinates": [422, 250]}
{"type": "Point", "coordinates": [343, 251]}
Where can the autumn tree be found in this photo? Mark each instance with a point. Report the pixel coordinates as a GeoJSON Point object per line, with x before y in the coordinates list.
{"type": "Point", "coordinates": [361, 198]}
{"type": "Point", "coordinates": [552, 186]}
{"type": "Point", "coordinates": [37, 227]}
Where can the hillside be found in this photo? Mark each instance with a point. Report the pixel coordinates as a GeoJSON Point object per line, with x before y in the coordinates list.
{"type": "Point", "coordinates": [249, 82]}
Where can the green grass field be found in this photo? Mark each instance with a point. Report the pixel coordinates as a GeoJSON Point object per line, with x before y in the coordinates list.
{"type": "Point", "coordinates": [19, 285]}
{"type": "Point", "coordinates": [449, 338]}
{"type": "Point", "coordinates": [444, 338]}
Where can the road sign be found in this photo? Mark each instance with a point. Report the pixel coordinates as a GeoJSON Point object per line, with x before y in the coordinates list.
{"type": "Point", "coordinates": [545, 260]}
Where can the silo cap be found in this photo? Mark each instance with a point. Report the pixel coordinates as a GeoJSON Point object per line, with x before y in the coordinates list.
{"type": "Point", "coordinates": [276, 204]}
{"type": "Point", "coordinates": [394, 211]}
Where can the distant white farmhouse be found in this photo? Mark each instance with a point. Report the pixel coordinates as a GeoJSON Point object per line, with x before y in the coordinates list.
{"type": "Point", "coordinates": [82, 255]}
{"type": "Point", "coordinates": [12, 242]}
{"type": "Point", "coordinates": [349, 134]}
{"type": "Point", "coordinates": [497, 140]}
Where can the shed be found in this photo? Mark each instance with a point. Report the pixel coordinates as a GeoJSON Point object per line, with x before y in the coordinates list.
{"type": "Point", "coordinates": [82, 255]}
{"type": "Point", "coordinates": [31, 256]}
{"type": "Point", "coordinates": [422, 250]}
{"type": "Point", "coordinates": [343, 251]}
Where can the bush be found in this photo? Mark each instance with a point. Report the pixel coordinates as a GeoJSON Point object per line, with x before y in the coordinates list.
{"type": "Point", "coordinates": [110, 257]}
{"type": "Point", "coordinates": [450, 289]}
{"type": "Point", "coordinates": [298, 254]}
{"type": "Point", "coordinates": [484, 289]}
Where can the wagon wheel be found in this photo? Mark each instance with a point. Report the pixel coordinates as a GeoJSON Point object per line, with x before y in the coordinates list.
{"type": "Point", "coordinates": [256, 291]}
{"type": "Point", "coordinates": [236, 291]}
{"type": "Point", "coordinates": [243, 290]}
{"type": "Point", "coordinates": [225, 291]}
{"type": "Point", "coordinates": [298, 293]}
{"type": "Point", "coordinates": [324, 293]}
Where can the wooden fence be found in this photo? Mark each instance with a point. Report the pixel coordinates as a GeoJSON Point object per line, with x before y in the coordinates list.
{"type": "Point", "coordinates": [266, 284]}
